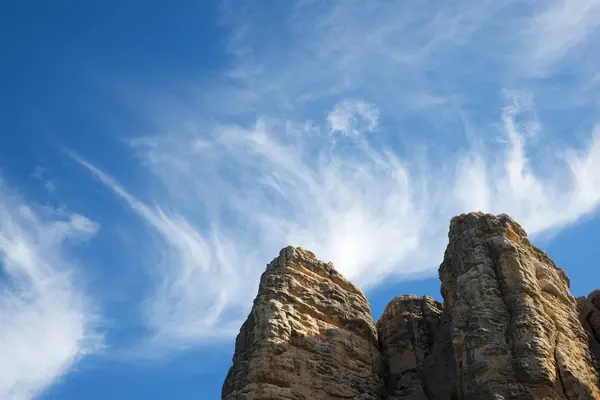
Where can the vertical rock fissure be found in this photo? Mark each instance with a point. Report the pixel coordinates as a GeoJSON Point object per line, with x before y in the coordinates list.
{"type": "Point", "coordinates": [504, 289]}
{"type": "Point", "coordinates": [594, 333]}
{"type": "Point", "coordinates": [430, 333]}
{"type": "Point", "coordinates": [504, 292]}
{"type": "Point", "coordinates": [558, 372]}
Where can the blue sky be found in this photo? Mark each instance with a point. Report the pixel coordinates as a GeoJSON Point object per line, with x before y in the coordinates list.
{"type": "Point", "coordinates": [155, 158]}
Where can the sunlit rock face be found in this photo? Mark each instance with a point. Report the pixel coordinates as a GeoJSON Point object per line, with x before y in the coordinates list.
{"type": "Point", "coordinates": [514, 324]}
{"type": "Point", "coordinates": [509, 328]}
{"type": "Point", "coordinates": [310, 335]}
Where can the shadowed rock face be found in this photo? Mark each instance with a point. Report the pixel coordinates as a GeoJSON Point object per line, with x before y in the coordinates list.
{"type": "Point", "coordinates": [415, 343]}
{"type": "Point", "coordinates": [589, 316]}
{"type": "Point", "coordinates": [508, 329]}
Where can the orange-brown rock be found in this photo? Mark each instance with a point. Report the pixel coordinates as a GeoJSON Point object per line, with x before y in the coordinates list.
{"type": "Point", "coordinates": [310, 335]}
{"type": "Point", "coordinates": [416, 346]}
{"type": "Point", "coordinates": [509, 328]}
{"type": "Point", "coordinates": [515, 327]}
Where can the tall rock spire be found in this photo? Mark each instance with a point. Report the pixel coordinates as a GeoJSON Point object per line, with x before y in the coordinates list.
{"type": "Point", "coordinates": [310, 335]}
{"type": "Point", "coordinates": [514, 324]}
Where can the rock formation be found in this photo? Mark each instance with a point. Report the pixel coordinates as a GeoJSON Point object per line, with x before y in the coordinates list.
{"type": "Point", "coordinates": [417, 349]}
{"type": "Point", "coordinates": [514, 323]}
{"type": "Point", "coordinates": [509, 328]}
{"type": "Point", "coordinates": [310, 335]}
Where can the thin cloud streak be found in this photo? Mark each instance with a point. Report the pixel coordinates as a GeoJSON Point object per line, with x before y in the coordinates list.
{"type": "Point", "coordinates": [568, 192]}
{"type": "Point", "coordinates": [198, 278]}
{"type": "Point", "coordinates": [561, 28]}
{"type": "Point", "coordinates": [48, 323]}
{"type": "Point", "coordinates": [348, 136]}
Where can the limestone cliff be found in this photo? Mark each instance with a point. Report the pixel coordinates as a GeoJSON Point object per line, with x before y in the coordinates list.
{"type": "Point", "coordinates": [509, 328]}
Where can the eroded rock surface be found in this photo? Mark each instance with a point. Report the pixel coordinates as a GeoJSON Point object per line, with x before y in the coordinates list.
{"type": "Point", "coordinates": [416, 346]}
{"type": "Point", "coordinates": [310, 335]}
{"type": "Point", "coordinates": [515, 328]}
{"type": "Point", "coordinates": [509, 328]}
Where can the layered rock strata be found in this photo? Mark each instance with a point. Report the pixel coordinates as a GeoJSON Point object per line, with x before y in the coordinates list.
{"type": "Point", "coordinates": [514, 324]}
{"type": "Point", "coordinates": [417, 349]}
{"type": "Point", "coordinates": [509, 328]}
{"type": "Point", "coordinates": [310, 335]}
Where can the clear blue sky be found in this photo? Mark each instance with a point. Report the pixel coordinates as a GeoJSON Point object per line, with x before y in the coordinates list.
{"type": "Point", "coordinates": [156, 157]}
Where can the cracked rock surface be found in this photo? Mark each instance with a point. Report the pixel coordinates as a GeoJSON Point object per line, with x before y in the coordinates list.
{"type": "Point", "coordinates": [515, 327]}
{"type": "Point", "coordinates": [310, 335]}
{"type": "Point", "coordinates": [509, 328]}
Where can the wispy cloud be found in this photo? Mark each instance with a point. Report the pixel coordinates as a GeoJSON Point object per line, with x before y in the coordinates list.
{"type": "Point", "coordinates": [348, 116]}
{"type": "Point", "coordinates": [363, 206]}
{"type": "Point", "coordinates": [558, 195]}
{"type": "Point", "coordinates": [39, 173]}
{"type": "Point", "coordinates": [282, 150]}
{"type": "Point", "coordinates": [380, 49]}
{"type": "Point", "coordinates": [559, 29]}
{"type": "Point", "coordinates": [405, 57]}
{"type": "Point", "coordinates": [243, 193]}
{"type": "Point", "coordinates": [47, 321]}
{"type": "Point", "coordinates": [200, 277]}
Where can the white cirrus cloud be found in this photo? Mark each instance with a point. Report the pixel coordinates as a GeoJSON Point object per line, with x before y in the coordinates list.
{"type": "Point", "coordinates": [238, 195]}
{"type": "Point", "coordinates": [200, 276]}
{"type": "Point", "coordinates": [254, 165]}
{"type": "Point", "coordinates": [48, 322]}
{"type": "Point", "coordinates": [352, 117]}
{"type": "Point", "coordinates": [560, 31]}
{"type": "Point", "coordinates": [558, 195]}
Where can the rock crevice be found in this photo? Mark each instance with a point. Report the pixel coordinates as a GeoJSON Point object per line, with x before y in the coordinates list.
{"type": "Point", "coordinates": [508, 328]}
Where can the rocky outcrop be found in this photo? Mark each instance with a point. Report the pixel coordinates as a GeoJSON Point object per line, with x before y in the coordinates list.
{"type": "Point", "coordinates": [310, 335]}
{"type": "Point", "coordinates": [509, 328]}
{"type": "Point", "coordinates": [515, 327]}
